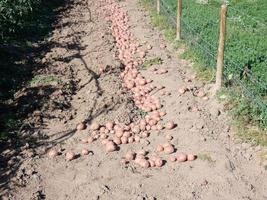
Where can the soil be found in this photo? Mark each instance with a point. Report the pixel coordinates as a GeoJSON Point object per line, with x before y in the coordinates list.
{"type": "Point", "coordinates": [225, 167]}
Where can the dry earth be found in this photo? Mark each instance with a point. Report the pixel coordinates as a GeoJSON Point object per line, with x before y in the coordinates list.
{"type": "Point", "coordinates": [225, 168]}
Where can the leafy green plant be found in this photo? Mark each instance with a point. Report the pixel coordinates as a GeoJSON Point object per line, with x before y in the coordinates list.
{"type": "Point", "coordinates": [153, 61]}
{"type": "Point", "coordinates": [15, 15]}
{"type": "Point", "coordinates": [24, 25]}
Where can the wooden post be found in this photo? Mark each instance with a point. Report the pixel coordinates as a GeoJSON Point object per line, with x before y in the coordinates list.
{"type": "Point", "coordinates": [220, 57]}
{"type": "Point", "coordinates": [158, 7]}
{"type": "Point", "coordinates": [178, 20]}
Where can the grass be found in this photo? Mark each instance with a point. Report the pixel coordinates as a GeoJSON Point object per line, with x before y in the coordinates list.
{"type": "Point", "coordinates": [250, 134]}
{"type": "Point", "coordinates": [262, 155]}
{"type": "Point", "coordinates": [39, 80]}
{"type": "Point", "coordinates": [243, 122]}
{"type": "Point", "coordinates": [170, 34]}
{"type": "Point", "coordinates": [151, 62]}
{"type": "Point", "coordinates": [250, 120]}
{"type": "Point", "coordinates": [205, 157]}
{"type": "Point", "coordinates": [204, 73]}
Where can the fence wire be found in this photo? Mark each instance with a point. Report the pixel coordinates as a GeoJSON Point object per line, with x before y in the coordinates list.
{"type": "Point", "coordinates": [245, 48]}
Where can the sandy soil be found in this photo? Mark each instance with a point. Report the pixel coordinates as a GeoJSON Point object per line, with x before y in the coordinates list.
{"type": "Point", "coordinates": [225, 168]}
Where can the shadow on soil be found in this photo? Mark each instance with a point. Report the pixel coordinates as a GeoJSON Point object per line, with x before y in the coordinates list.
{"type": "Point", "coordinates": [18, 62]}
{"type": "Point", "coordinates": [20, 59]}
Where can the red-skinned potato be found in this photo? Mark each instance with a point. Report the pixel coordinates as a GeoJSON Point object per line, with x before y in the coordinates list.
{"type": "Point", "coordinates": [124, 140]}
{"type": "Point", "coordinates": [109, 125]}
{"type": "Point", "coordinates": [110, 146]}
{"type": "Point", "coordinates": [84, 141]}
{"type": "Point", "coordinates": [130, 155]}
{"type": "Point", "coordinates": [81, 126]}
{"type": "Point", "coordinates": [170, 125]}
{"type": "Point", "coordinates": [172, 158]}
{"type": "Point", "coordinates": [52, 153]}
{"type": "Point", "coordinates": [117, 140]}
{"type": "Point", "coordinates": [191, 157]}
{"type": "Point", "coordinates": [159, 148]}
{"type": "Point", "coordinates": [70, 156]}
{"type": "Point", "coordinates": [137, 138]}
{"type": "Point", "coordinates": [168, 149]}
{"type": "Point", "coordinates": [90, 140]}
{"type": "Point", "coordinates": [152, 163]}
{"type": "Point", "coordinates": [144, 163]}
{"type": "Point", "coordinates": [84, 152]}
{"type": "Point", "coordinates": [124, 161]}
{"type": "Point", "coordinates": [158, 162]}
{"type": "Point", "coordinates": [94, 126]}
{"type": "Point", "coordinates": [181, 157]}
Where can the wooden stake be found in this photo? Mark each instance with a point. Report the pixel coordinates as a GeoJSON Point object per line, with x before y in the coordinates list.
{"type": "Point", "coordinates": [158, 7]}
{"type": "Point", "coordinates": [178, 20]}
{"type": "Point", "coordinates": [220, 58]}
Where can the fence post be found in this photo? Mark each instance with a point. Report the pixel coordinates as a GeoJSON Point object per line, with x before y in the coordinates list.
{"type": "Point", "coordinates": [220, 57]}
{"type": "Point", "coordinates": [158, 7]}
{"type": "Point", "coordinates": [178, 20]}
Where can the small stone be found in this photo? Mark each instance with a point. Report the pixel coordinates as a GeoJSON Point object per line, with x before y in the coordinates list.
{"type": "Point", "coordinates": [248, 156]}
{"type": "Point", "coordinates": [145, 142]}
{"type": "Point", "coordinates": [215, 112]}
{"type": "Point", "coordinates": [205, 182]}
{"type": "Point", "coordinates": [230, 166]}
{"type": "Point", "coordinates": [30, 154]}
{"type": "Point", "coordinates": [245, 145]}
{"type": "Point", "coordinates": [200, 125]}
{"type": "Point", "coordinates": [211, 132]}
{"type": "Point", "coordinates": [257, 148]}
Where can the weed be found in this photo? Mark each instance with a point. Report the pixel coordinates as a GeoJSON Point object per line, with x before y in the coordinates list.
{"type": "Point", "coordinates": [244, 117]}
{"type": "Point", "coordinates": [4, 135]}
{"type": "Point", "coordinates": [170, 34]}
{"type": "Point", "coordinates": [251, 134]}
{"type": "Point", "coordinates": [153, 61]}
{"type": "Point", "coordinates": [205, 157]}
{"type": "Point", "coordinates": [204, 73]}
{"type": "Point", "coordinates": [179, 45]}
{"type": "Point", "coordinates": [159, 21]}
{"type": "Point", "coordinates": [9, 123]}
{"type": "Point", "coordinates": [44, 80]}
{"type": "Point", "coordinates": [141, 113]}
{"type": "Point", "coordinates": [262, 155]}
